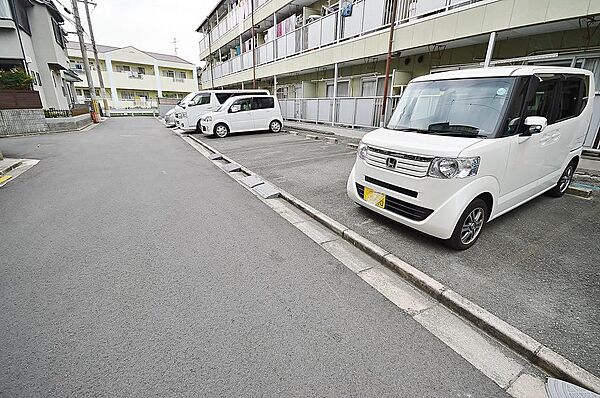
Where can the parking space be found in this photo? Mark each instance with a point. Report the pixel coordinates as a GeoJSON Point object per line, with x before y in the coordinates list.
{"type": "Point", "coordinates": [536, 267]}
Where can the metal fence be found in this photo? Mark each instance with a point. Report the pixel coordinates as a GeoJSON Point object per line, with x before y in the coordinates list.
{"type": "Point", "coordinates": [348, 111]}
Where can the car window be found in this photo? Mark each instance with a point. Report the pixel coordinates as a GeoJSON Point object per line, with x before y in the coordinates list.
{"type": "Point", "coordinates": [244, 103]}
{"type": "Point", "coordinates": [203, 99]}
{"type": "Point", "coordinates": [263, 103]}
{"type": "Point", "coordinates": [542, 103]}
{"type": "Point", "coordinates": [571, 98]}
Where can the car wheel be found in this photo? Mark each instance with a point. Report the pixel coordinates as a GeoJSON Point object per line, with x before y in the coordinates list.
{"type": "Point", "coordinates": [199, 126]}
{"type": "Point", "coordinates": [221, 130]}
{"type": "Point", "coordinates": [469, 225]}
{"type": "Point", "coordinates": [563, 182]}
{"type": "Point", "coordinates": [275, 126]}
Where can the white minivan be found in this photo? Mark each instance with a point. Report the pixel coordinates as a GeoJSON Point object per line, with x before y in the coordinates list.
{"type": "Point", "coordinates": [465, 147]}
{"type": "Point", "coordinates": [206, 101]}
{"type": "Point", "coordinates": [244, 113]}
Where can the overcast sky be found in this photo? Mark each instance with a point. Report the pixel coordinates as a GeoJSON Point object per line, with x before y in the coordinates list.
{"type": "Point", "coordinates": [149, 25]}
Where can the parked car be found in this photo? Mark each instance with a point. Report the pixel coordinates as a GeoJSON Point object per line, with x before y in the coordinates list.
{"type": "Point", "coordinates": [207, 101]}
{"type": "Point", "coordinates": [181, 105]}
{"type": "Point", "coordinates": [464, 147]}
{"type": "Point", "coordinates": [170, 118]}
{"type": "Point", "coordinates": [244, 113]}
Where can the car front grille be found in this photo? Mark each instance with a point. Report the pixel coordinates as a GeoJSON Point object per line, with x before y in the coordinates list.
{"type": "Point", "coordinates": [403, 163]}
{"type": "Point", "coordinates": [400, 207]}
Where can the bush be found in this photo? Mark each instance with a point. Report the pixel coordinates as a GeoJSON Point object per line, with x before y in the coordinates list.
{"type": "Point", "coordinates": [15, 79]}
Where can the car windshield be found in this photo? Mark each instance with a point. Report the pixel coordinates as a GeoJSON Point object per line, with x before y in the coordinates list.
{"type": "Point", "coordinates": [187, 99]}
{"type": "Point", "coordinates": [459, 107]}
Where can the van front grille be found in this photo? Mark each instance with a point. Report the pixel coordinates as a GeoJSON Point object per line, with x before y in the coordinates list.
{"type": "Point", "coordinates": [403, 163]}
{"type": "Point", "coordinates": [400, 207]}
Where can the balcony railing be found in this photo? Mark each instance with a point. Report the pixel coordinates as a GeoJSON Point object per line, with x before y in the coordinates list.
{"type": "Point", "coordinates": [367, 16]}
{"type": "Point", "coordinates": [349, 111]}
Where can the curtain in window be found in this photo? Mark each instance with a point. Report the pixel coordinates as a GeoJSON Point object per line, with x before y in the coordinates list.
{"type": "Point", "coordinates": [5, 9]}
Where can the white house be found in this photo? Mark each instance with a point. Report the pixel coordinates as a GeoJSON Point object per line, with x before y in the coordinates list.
{"type": "Point", "coordinates": [32, 38]}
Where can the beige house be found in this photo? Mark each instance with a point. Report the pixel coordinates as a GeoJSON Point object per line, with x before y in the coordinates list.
{"type": "Point", "coordinates": [325, 59]}
{"type": "Point", "coordinates": [134, 78]}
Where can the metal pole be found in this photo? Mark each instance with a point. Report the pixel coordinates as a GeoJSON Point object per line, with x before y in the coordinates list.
{"type": "Point", "coordinates": [86, 65]}
{"type": "Point", "coordinates": [388, 62]}
{"type": "Point", "coordinates": [253, 42]}
{"type": "Point", "coordinates": [212, 78]}
{"type": "Point", "coordinates": [490, 50]}
{"type": "Point", "coordinates": [335, 84]}
{"type": "Point", "coordinates": [100, 78]}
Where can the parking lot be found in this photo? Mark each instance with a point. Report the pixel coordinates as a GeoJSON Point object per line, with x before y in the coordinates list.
{"type": "Point", "coordinates": [535, 267]}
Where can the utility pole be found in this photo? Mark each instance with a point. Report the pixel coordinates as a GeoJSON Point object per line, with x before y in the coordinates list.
{"type": "Point", "coordinates": [253, 42]}
{"type": "Point", "coordinates": [100, 78]}
{"type": "Point", "coordinates": [86, 65]}
{"type": "Point", "coordinates": [388, 63]}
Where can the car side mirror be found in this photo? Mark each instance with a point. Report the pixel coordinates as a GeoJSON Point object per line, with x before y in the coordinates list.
{"type": "Point", "coordinates": [534, 125]}
{"type": "Point", "coordinates": [234, 108]}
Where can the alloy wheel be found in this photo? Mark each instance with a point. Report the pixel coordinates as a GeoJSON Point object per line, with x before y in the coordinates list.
{"type": "Point", "coordinates": [275, 126]}
{"type": "Point", "coordinates": [221, 130]}
{"type": "Point", "coordinates": [565, 179]}
{"type": "Point", "coordinates": [472, 226]}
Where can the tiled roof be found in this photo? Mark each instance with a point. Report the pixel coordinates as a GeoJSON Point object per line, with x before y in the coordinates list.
{"type": "Point", "coordinates": [104, 49]}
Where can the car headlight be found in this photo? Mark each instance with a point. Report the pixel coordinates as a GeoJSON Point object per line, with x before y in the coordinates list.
{"type": "Point", "coordinates": [361, 151]}
{"type": "Point", "coordinates": [453, 167]}
{"type": "Point", "coordinates": [208, 118]}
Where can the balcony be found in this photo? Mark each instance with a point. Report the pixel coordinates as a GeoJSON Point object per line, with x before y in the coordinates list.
{"type": "Point", "coordinates": [178, 84]}
{"type": "Point", "coordinates": [367, 16]}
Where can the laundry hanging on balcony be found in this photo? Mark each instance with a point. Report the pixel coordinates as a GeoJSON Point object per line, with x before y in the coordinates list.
{"type": "Point", "coordinates": [347, 9]}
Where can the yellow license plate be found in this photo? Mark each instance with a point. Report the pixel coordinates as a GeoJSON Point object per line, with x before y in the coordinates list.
{"type": "Point", "coordinates": [374, 197]}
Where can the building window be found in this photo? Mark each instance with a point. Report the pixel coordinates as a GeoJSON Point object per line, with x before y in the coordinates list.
{"type": "Point", "coordinates": [181, 75]}
{"type": "Point", "coordinates": [282, 92]}
{"type": "Point", "coordinates": [141, 70]}
{"type": "Point", "coordinates": [343, 89]}
{"type": "Point", "coordinates": [127, 95]}
{"type": "Point", "coordinates": [168, 73]}
{"type": "Point", "coordinates": [58, 34]}
{"type": "Point", "coordinates": [22, 17]}
{"type": "Point", "coordinates": [123, 68]}
{"type": "Point", "coordinates": [5, 10]}
{"type": "Point", "coordinates": [39, 79]}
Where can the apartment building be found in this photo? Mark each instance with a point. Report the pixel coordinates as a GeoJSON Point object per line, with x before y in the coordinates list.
{"type": "Point", "coordinates": [32, 38]}
{"type": "Point", "coordinates": [325, 59]}
{"type": "Point", "coordinates": [133, 78]}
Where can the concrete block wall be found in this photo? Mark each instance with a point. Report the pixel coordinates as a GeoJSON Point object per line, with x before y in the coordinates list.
{"type": "Point", "coordinates": [22, 121]}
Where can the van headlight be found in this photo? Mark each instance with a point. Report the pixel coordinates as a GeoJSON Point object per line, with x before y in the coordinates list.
{"type": "Point", "coordinates": [453, 167]}
{"type": "Point", "coordinates": [208, 118]}
{"type": "Point", "coordinates": [361, 151]}
{"type": "Point", "coordinates": [184, 114]}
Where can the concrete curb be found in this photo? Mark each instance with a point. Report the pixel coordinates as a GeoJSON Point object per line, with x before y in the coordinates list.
{"type": "Point", "coordinates": [578, 191]}
{"type": "Point", "coordinates": [550, 361]}
{"type": "Point", "coordinates": [11, 167]}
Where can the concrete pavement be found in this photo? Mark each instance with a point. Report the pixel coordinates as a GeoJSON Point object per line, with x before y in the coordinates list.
{"type": "Point", "coordinates": [535, 267]}
{"type": "Point", "coordinates": [133, 267]}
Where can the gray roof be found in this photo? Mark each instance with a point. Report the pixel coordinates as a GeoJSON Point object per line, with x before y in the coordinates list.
{"type": "Point", "coordinates": [105, 49]}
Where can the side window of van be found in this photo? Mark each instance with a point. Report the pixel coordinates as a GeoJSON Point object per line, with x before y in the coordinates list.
{"type": "Point", "coordinates": [571, 100]}
{"type": "Point", "coordinates": [201, 99]}
{"type": "Point", "coordinates": [222, 97]}
{"type": "Point", "coordinates": [263, 103]}
{"type": "Point", "coordinates": [542, 103]}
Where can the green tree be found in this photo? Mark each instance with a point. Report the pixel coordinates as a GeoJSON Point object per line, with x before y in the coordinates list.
{"type": "Point", "coordinates": [15, 79]}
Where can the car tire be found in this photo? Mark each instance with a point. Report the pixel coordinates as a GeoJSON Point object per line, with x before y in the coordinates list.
{"type": "Point", "coordinates": [275, 126]}
{"type": "Point", "coordinates": [199, 126]}
{"type": "Point", "coordinates": [221, 130]}
{"type": "Point", "coordinates": [469, 225]}
{"type": "Point", "coordinates": [563, 182]}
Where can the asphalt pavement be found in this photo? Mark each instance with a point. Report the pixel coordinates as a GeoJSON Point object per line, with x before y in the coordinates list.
{"type": "Point", "coordinates": [131, 266]}
{"type": "Point", "coordinates": [535, 267]}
